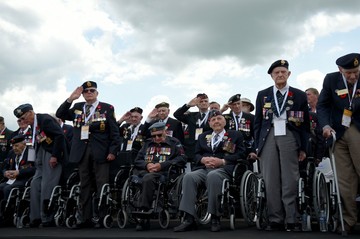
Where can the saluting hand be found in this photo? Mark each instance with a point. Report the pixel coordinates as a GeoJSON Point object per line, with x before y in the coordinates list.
{"type": "Point", "coordinates": [76, 93]}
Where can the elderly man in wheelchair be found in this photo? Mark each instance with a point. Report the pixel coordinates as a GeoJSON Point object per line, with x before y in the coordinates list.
{"type": "Point", "coordinates": [158, 154]}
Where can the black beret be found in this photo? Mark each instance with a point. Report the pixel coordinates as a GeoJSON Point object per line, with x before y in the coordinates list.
{"type": "Point", "coordinates": [234, 98]}
{"type": "Point", "coordinates": [162, 104]}
{"type": "Point", "coordinates": [89, 84]}
{"type": "Point", "coordinates": [22, 109]}
{"type": "Point", "coordinates": [213, 113]}
{"type": "Point", "coordinates": [157, 126]}
{"type": "Point", "coordinates": [17, 139]}
{"type": "Point", "coordinates": [136, 109]}
{"type": "Point", "coordinates": [202, 96]}
{"type": "Point", "coordinates": [278, 63]}
{"type": "Point", "coordinates": [349, 61]}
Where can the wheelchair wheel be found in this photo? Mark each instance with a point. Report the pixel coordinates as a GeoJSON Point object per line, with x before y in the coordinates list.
{"type": "Point", "coordinates": [261, 211]}
{"type": "Point", "coordinates": [70, 222]}
{"type": "Point", "coordinates": [248, 192]}
{"type": "Point", "coordinates": [232, 220]}
{"type": "Point", "coordinates": [25, 218]}
{"type": "Point", "coordinates": [59, 219]}
{"type": "Point", "coordinates": [15, 220]}
{"type": "Point", "coordinates": [164, 219]}
{"type": "Point", "coordinates": [201, 207]}
{"type": "Point", "coordinates": [320, 195]}
{"type": "Point", "coordinates": [122, 219]}
{"type": "Point", "coordinates": [108, 221]}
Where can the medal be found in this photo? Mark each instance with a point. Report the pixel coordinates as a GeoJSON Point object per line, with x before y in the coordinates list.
{"type": "Point", "coordinates": [102, 126]}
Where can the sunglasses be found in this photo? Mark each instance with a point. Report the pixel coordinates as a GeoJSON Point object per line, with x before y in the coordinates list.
{"type": "Point", "coordinates": [89, 90]}
{"type": "Point", "coordinates": [156, 135]}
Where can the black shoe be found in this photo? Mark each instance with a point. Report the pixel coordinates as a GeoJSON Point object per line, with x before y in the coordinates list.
{"type": "Point", "coordinates": [143, 225]}
{"type": "Point", "coordinates": [186, 226]}
{"type": "Point", "coordinates": [274, 226]}
{"type": "Point", "coordinates": [347, 228]}
{"type": "Point", "coordinates": [215, 224]}
{"type": "Point", "coordinates": [48, 224]}
{"type": "Point", "coordinates": [35, 223]}
{"type": "Point", "coordinates": [86, 224]}
{"type": "Point", "coordinates": [293, 227]}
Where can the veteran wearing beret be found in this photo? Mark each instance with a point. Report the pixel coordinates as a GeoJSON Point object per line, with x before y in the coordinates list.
{"type": "Point", "coordinates": [131, 135]}
{"type": "Point", "coordinates": [95, 144]}
{"type": "Point", "coordinates": [49, 143]}
{"type": "Point", "coordinates": [17, 169]}
{"type": "Point", "coordinates": [216, 155]}
{"type": "Point", "coordinates": [337, 112]}
{"type": "Point", "coordinates": [281, 134]}
{"type": "Point", "coordinates": [196, 122]}
{"type": "Point", "coordinates": [153, 160]}
{"type": "Point", "coordinates": [161, 114]}
{"type": "Point", "coordinates": [241, 121]}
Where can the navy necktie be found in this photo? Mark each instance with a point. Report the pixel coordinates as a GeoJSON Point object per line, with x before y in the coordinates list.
{"type": "Point", "coordinates": [87, 110]}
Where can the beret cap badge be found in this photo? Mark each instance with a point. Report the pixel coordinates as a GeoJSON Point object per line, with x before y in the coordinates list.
{"type": "Point", "coordinates": [356, 62]}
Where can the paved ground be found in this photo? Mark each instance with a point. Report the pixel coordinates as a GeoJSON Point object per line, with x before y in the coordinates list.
{"type": "Point", "coordinates": [241, 231]}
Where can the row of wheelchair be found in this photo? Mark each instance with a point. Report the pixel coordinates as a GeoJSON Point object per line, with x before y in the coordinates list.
{"type": "Point", "coordinates": [243, 199]}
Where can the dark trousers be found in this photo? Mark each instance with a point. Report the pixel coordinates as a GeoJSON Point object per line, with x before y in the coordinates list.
{"type": "Point", "coordinates": [93, 176]}
{"type": "Point", "coordinates": [149, 185]}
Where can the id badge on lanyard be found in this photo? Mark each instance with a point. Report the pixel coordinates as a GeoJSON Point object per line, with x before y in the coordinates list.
{"type": "Point", "coordinates": [346, 118]}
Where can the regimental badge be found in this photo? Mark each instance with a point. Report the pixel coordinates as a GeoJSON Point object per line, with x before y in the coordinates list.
{"type": "Point", "coordinates": [356, 62]}
{"type": "Point", "coordinates": [88, 84]}
{"type": "Point", "coordinates": [282, 62]}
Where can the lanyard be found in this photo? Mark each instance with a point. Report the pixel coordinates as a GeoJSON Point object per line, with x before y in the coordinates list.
{"type": "Point", "coordinates": [34, 131]}
{"type": "Point", "coordinates": [91, 112]}
{"type": "Point", "coordinates": [200, 122]}
{"type": "Point", "coordinates": [215, 143]}
{"type": "Point", "coordinates": [354, 89]}
{"type": "Point", "coordinates": [283, 103]}
{"type": "Point", "coordinates": [237, 122]}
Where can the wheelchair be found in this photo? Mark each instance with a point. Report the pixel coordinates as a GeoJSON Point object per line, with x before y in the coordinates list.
{"type": "Point", "coordinates": [237, 196]}
{"type": "Point", "coordinates": [313, 195]}
{"type": "Point", "coordinates": [9, 206]}
{"type": "Point", "coordinates": [165, 202]}
{"type": "Point", "coordinates": [22, 208]}
{"type": "Point", "coordinates": [60, 195]}
{"type": "Point", "coordinates": [109, 201]}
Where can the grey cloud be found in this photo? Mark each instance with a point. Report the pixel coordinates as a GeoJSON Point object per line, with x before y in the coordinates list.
{"type": "Point", "coordinates": [251, 31]}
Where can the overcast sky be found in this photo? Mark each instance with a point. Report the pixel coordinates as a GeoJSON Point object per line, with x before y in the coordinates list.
{"type": "Point", "coordinates": [142, 52]}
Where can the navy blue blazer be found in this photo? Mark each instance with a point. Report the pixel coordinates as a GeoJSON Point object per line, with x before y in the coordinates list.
{"type": "Point", "coordinates": [104, 131]}
{"type": "Point", "coordinates": [191, 119]}
{"type": "Point", "coordinates": [54, 142]}
{"type": "Point", "coordinates": [246, 127]}
{"type": "Point", "coordinates": [297, 112]}
{"type": "Point", "coordinates": [330, 106]}
{"type": "Point", "coordinates": [203, 149]}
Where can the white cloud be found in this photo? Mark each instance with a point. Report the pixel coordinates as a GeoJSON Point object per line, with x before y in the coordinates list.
{"type": "Point", "coordinates": [311, 79]}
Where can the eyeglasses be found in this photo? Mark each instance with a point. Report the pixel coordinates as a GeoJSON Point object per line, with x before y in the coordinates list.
{"type": "Point", "coordinates": [89, 90]}
{"type": "Point", "coordinates": [156, 135]}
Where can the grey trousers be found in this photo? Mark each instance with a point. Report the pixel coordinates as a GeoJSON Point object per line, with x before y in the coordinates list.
{"type": "Point", "coordinates": [42, 184]}
{"type": "Point", "coordinates": [213, 179]}
{"type": "Point", "coordinates": [347, 159]}
{"type": "Point", "coordinates": [279, 164]}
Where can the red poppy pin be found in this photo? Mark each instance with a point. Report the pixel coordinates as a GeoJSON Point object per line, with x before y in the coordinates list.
{"type": "Point", "coordinates": [290, 94]}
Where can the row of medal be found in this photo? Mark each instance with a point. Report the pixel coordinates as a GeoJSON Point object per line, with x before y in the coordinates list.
{"type": "Point", "coordinates": [79, 119]}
